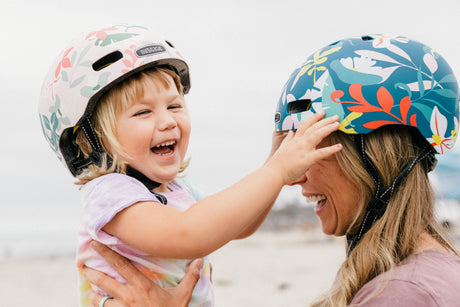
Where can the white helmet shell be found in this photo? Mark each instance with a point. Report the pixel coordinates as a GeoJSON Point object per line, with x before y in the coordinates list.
{"type": "Point", "coordinates": [91, 65]}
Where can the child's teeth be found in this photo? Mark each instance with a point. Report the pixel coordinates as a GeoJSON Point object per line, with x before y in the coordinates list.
{"type": "Point", "coordinates": [166, 144]}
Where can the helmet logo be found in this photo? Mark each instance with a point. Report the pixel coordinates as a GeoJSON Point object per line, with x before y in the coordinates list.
{"type": "Point", "coordinates": [149, 50]}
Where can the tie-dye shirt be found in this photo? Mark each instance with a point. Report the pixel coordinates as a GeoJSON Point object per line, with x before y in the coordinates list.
{"type": "Point", "coordinates": [102, 199]}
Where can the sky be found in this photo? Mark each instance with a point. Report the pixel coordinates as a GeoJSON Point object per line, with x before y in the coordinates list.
{"type": "Point", "coordinates": [240, 54]}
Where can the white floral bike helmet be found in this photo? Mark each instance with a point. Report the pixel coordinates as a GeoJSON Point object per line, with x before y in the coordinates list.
{"type": "Point", "coordinates": [91, 65]}
{"type": "Point", "coordinates": [370, 82]}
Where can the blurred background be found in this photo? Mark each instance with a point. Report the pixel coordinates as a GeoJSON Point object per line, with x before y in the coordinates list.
{"type": "Point", "coordinates": [240, 54]}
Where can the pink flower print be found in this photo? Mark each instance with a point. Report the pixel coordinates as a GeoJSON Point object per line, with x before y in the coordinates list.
{"type": "Point", "coordinates": [65, 62]}
{"type": "Point", "coordinates": [384, 41]}
{"type": "Point", "coordinates": [179, 55]}
{"type": "Point", "coordinates": [100, 34]}
{"type": "Point", "coordinates": [131, 62]}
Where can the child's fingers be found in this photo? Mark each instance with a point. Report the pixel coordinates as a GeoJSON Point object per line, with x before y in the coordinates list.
{"type": "Point", "coordinates": [310, 127]}
{"type": "Point", "coordinates": [310, 122]}
{"type": "Point", "coordinates": [322, 129]}
{"type": "Point", "coordinates": [327, 151]}
{"type": "Point", "coordinates": [289, 136]}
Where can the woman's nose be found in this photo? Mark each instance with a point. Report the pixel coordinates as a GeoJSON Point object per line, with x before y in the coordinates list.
{"type": "Point", "coordinates": [301, 180]}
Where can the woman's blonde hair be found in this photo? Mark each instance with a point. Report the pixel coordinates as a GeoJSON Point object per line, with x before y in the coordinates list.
{"type": "Point", "coordinates": [104, 119]}
{"type": "Point", "coordinates": [410, 211]}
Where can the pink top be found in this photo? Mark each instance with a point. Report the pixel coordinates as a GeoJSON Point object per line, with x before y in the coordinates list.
{"type": "Point", "coordinates": [102, 199]}
{"type": "Point", "coordinates": [426, 278]}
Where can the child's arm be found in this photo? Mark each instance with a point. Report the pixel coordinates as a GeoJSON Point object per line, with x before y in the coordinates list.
{"type": "Point", "coordinates": [212, 222]}
{"type": "Point", "coordinates": [277, 139]}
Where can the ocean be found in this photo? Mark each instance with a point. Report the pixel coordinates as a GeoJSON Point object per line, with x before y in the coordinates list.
{"type": "Point", "coordinates": [47, 230]}
{"type": "Point", "coordinates": [37, 231]}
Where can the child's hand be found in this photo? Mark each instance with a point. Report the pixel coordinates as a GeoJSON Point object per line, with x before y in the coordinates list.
{"type": "Point", "coordinates": [298, 152]}
{"type": "Point", "coordinates": [277, 139]}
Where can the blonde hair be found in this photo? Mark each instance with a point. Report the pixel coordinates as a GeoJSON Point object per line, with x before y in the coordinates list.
{"type": "Point", "coordinates": [410, 211]}
{"type": "Point", "coordinates": [104, 119]}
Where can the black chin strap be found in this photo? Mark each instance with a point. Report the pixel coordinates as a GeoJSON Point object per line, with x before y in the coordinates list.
{"type": "Point", "coordinates": [150, 184]}
{"type": "Point", "coordinates": [378, 205]}
{"type": "Point", "coordinates": [95, 157]}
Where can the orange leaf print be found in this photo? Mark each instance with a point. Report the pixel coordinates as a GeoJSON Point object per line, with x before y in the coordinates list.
{"type": "Point", "coordinates": [364, 108]}
{"type": "Point", "coordinates": [404, 106]}
{"type": "Point", "coordinates": [385, 99]}
{"type": "Point", "coordinates": [413, 120]}
{"type": "Point", "coordinates": [335, 95]}
{"type": "Point", "coordinates": [356, 93]}
{"type": "Point", "coordinates": [379, 123]}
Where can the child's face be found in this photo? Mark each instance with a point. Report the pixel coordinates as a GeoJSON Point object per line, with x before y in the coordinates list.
{"type": "Point", "coordinates": [154, 132]}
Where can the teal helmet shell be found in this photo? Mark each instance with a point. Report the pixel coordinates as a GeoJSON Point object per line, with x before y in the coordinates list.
{"type": "Point", "coordinates": [373, 81]}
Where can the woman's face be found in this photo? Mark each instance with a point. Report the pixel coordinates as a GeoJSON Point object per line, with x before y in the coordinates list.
{"type": "Point", "coordinates": [337, 198]}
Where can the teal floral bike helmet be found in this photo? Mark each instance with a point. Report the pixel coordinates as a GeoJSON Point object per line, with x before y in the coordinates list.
{"type": "Point", "coordinates": [85, 70]}
{"type": "Point", "coordinates": [370, 82]}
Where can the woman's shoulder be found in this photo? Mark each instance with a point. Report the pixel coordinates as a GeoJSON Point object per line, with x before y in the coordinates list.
{"type": "Point", "coordinates": [428, 278]}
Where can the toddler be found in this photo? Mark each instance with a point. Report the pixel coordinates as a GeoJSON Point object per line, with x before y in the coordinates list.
{"type": "Point", "coordinates": [112, 108]}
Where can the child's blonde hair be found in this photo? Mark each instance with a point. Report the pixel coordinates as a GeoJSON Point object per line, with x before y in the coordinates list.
{"type": "Point", "coordinates": [104, 119]}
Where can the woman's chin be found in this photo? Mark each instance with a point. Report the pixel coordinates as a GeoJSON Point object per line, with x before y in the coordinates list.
{"type": "Point", "coordinates": [326, 230]}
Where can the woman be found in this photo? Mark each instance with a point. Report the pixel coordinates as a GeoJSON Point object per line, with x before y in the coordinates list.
{"type": "Point", "coordinates": [398, 101]}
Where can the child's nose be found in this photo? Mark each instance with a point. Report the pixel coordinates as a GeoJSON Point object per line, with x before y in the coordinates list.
{"type": "Point", "coordinates": [166, 121]}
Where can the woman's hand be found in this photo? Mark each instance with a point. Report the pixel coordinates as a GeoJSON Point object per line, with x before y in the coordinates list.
{"type": "Point", "coordinates": [138, 291]}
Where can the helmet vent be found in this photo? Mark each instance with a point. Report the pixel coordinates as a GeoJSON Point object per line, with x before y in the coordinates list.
{"type": "Point", "coordinates": [107, 60]}
{"type": "Point", "coordinates": [299, 106]}
{"type": "Point", "coordinates": [169, 44]}
{"type": "Point", "coordinates": [367, 38]}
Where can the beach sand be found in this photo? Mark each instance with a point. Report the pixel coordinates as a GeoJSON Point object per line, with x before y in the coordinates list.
{"type": "Point", "coordinates": [285, 268]}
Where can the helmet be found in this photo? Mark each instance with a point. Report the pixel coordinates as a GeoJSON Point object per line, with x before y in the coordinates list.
{"type": "Point", "coordinates": [370, 82]}
{"type": "Point", "coordinates": [373, 81]}
{"type": "Point", "coordinates": [89, 67]}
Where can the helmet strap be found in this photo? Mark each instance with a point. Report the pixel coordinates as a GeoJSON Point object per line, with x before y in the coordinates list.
{"type": "Point", "coordinates": [95, 156]}
{"type": "Point", "coordinates": [149, 184]}
{"type": "Point", "coordinates": [378, 205]}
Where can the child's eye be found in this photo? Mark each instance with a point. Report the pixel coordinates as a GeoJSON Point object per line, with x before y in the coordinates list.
{"type": "Point", "coordinates": [141, 113]}
{"type": "Point", "coordinates": [175, 106]}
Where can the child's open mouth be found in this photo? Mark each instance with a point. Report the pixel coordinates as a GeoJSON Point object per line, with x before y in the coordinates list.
{"type": "Point", "coordinates": [164, 149]}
